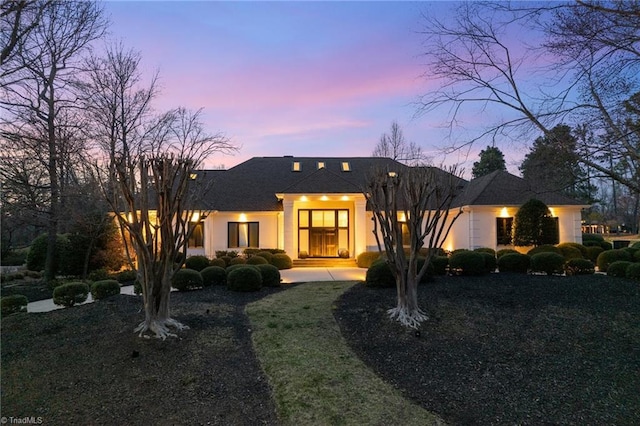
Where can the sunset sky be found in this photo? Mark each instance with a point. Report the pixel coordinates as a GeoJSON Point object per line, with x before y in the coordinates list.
{"type": "Point", "coordinates": [292, 78]}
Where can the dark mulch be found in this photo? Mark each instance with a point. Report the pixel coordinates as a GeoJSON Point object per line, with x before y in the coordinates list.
{"type": "Point", "coordinates": [84, 365]}
{"type": "Point", "coordinates": [33, 289]}
{"type": "Point", "coordinates": [508, 349]}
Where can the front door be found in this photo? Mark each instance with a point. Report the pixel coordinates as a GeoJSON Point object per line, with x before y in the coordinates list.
{"type": "Point", "coordinates": [322, 233]}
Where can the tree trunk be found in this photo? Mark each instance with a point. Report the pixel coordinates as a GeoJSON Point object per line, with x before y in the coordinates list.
{"type": "Point", "coordinates": [407, 311]}
{"type": "Point", "coordinates": [156, 290]}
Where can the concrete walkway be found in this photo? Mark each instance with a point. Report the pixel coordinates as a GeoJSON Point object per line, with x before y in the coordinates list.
{"type": "Point", "coordinates": [289, 276]}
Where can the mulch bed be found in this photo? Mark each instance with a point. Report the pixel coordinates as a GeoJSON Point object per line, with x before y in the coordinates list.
{"type": "Point", "coordinates": [84, 365]}
{"type": "Point", "coordinates": [508, 349]}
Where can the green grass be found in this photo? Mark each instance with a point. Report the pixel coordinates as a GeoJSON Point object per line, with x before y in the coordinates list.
{"type": "Point", "coordinates": [316, 378]}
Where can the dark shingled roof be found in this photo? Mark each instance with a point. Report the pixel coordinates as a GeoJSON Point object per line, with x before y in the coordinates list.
{"type": "Point", "coordinates": [501, 188]}
{"type": "Point", "coordinates": [253, 185]}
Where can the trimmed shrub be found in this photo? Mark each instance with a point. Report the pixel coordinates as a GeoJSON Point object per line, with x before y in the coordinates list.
{"type": "Point", "coordinates": [547, 262]}
{"type": "Point", "coordinates": [636, 256]}
{"type": "Point", "coordinates": [490, 261]}
{"type": "Point", "coordinates": [186, 279]}
{"type": "Point", "coordinates": [237, 261]}
{"type": "Point", "coordinates": [267, 255]}
{"type": "Point", "coordinates": [607, 257]}
{"type": "Point", "coordinates": [366, 259]}
{"type": "Point", "coordinates": [218, 262]}
{"type": "Point", "coordinates": [465, 262]}
{"type": "Point", "coordinates": [593, 253]}
{"type": "Point", "coordinates": [579, 267]}
{"type": "Point", "coordinates": [14, 258]}
{"type": "Point", "coordinates": [592, 237]}
{"type": "Point", "coordinates": [105, 288]}
{"type": "Point", "coordinates": [572, 251]}
{"type": "Point", "coordinates": [226, 259]}
{"type": "Point", "coordinates": [282, 261]}
{"type": "Point", "coordinates": [240, 265]}
{"type": "Point", "coordinates": [618, 268]}
{"type": "Point", "coordinates": [440, 265]}
{"type": "Point", "coordinates": [98, 275]}
{"type": "Point", "coordinates": [270, 275]}
{"type": "Point", "coordinates": [257, 260]}
{"type": "Point", "coordinates": [247, 278]}
{"type": "Point", "coordinates": [580, 247]}
{"type": "Point", "coordinates": [635, 245]}
{"type": "Point", "coordinates": [13, 304]}
{"type": "Point", "coordinates": [379, 275]}
{"type": "Point", "coordinates": [69, 294]}
{"type": "Point", "coordinates": [228, 253]}
{"type": "Point", "coordinates": [546, 248]}
{"type": "Point", "coordinates": [213, 275]}
{"type": "Point", "coordinates": [502, 252]}
{"type": "Point", "coordinates": [197, 263]}
{"type": "Point", "coordinates": [514, 262]}
{"type": "Point", "coordinates": [38, 252]}
{"type": "Point", "coordinates": [486, 250]}
{"type": "Point", "coordinates": [633, 271]}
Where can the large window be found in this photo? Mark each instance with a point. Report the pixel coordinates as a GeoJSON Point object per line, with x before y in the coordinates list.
{"type": "Point", "coordinates": [504, 225]}
{"type": "Point", "coordinates": [197, 235]}
{"type": "Point", "coordinates": [243, 234]}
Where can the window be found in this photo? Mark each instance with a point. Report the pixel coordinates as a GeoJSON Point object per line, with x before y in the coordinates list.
{"type": "Point", "coordinates": [296, 166]}
{"type": "Point", "coordinates": [197, 234]}
{"type": "Point", "coordinates": [243, 234]}
{"type": "Point", "coordinates": [321, 165]}
{"type": "Point", "coordinates": [504, 226]}
{"type": "Point", "coordinates": [346, 167]}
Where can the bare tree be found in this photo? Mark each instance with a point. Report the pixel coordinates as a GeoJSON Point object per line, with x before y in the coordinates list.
{"type": "Point", "coordinates": [38, 97]}
{"type": "Point", "coordinates": [419, 199]}
{"type": "Point", "coordinates": [17, 19]}
{"type": "Point", "coordinates": [588, 63]}
{"type": "Point", "coordinates": [154, 190]}
{"type": "Point", "coordinates": [395, 146]}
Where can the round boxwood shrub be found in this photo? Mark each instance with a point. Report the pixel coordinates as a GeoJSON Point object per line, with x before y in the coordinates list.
{"type": "Point", "coordinates": [237, 261]}
{"type": "Point", "coordinates": [127, 276]}
{"type": "Point", "coordinates": [213, 275]}
{"type": "Point", "coordinates": [12, 304]}
{"type": "Point", "coordinates": [502, 252]}
{"type": "Point", "coordinates": [593, 252]}
{"type": "Point", "coordinates": [240, 265]}
{"type": "Point", "coordinates": [579, 267]}
{"type": "Point", "coordinates": [618, 268]}
{"type": "Point", "coordinates": [267, 255]}
{"type": "Point", "coordinates": [514, 262]}
{"type": "Point", "coordinates": [247, 278]}
{"type": "Point", "coordinates": [545, 248]}
{"type": "Point", "coordinates": [578, 246]}
{"type": "Point", "coordinates": [379, 275]}
{"type": "Point", "coordinates": [70, 294]}
{"type": "Point", "coordinates": [465, 262]}
{"type": "Point", "coordinates": [227, 259]}
{"type": "Point", "coordinates": [486, 250]}
{"type": "Point", "coordinates": [270, 275]}
{"type": "Point", "coordinates": [197, 263]}
{"type": "Point", "coordinates": [257, 260]}
{"type": "Point", "coordinates": [547, 262]}
{"type": "Point", "coordinates": [633, 271]}
{"type": "Point", "coordinates": [104, 288]}
{"type": "Point", "coordinates": [440, 265]}
{"type": "Point", "coordinates": [38, 252]}
{"type": "Point", "coordinates": [366, 258]}
{"type": "Point", "coordinates": [607, 257]}
{"type": "Point", "coordinates": [282, 261]}
{"type": "Point", "coordinates": [490, 261]}
{"type": "Point", "coordinates": [218, 262]}
{"type": "Point", "coordinates": [571, 251]}
{"type": "Point", "coordinates": [186, 279]}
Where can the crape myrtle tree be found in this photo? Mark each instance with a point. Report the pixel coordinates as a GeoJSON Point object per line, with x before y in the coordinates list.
{"type": "Point", "coordinates": [419, 198]}
{"type": "Point", "coordinates": [147, 177]}
{"type": "Point", "coordinates": [580, 65]}
{"type": "Point", "coordinates": [152, 187]}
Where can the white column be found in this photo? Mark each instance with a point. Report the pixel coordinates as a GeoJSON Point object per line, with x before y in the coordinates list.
{"type": "Point", "coordinates": [360, 225]}
{"type": "Point", "coordinates": [290, 240]}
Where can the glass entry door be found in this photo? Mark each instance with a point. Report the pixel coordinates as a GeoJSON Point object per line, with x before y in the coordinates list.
{"type": "Point", "coordinates": [322, 233]}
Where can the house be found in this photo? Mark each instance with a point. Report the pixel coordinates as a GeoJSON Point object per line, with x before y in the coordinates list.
{"type": "Point", "coordinates": [315, 207]}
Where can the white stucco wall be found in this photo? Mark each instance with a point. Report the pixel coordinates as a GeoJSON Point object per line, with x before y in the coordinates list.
{"type": "Point", "coordinates": [216, 229]}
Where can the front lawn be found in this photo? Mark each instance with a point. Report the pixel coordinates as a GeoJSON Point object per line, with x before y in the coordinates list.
{"type": "Point", "coordinates": [508, 349]}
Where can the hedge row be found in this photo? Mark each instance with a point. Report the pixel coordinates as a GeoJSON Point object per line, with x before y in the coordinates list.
{"type": "Point", "coordinates": [190, 279]}
{"type": "Point", "coordinates": [275, 257]}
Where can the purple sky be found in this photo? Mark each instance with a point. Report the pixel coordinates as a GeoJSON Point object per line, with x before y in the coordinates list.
{"type": "Point", "coordinates": [291, 78]}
